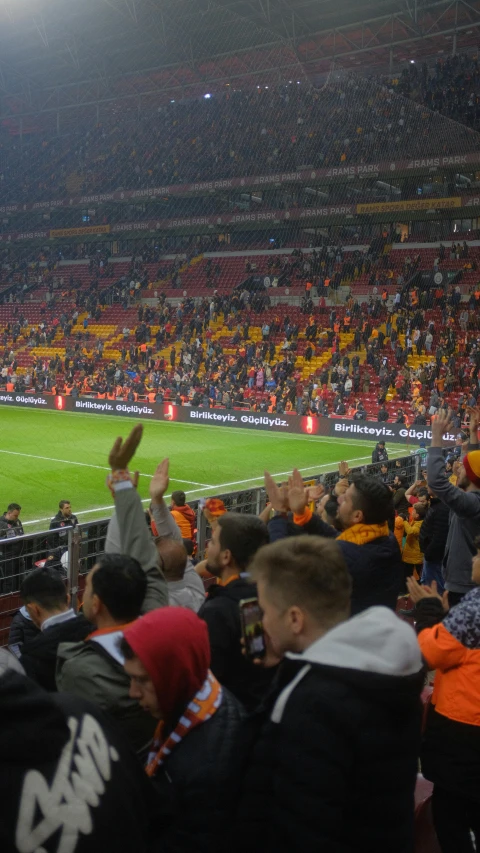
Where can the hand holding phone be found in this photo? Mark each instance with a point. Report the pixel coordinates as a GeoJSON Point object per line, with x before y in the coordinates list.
{"type": "Point", "coordinates": [252, 628]}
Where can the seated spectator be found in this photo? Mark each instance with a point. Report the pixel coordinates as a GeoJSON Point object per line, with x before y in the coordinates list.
{"type": "Point", "coordinates": [198, 748]}
{"type": "Point", "coordinates": [370, 551]}
{"type": "Point", "coordinates": [450, 753]}
{"type": "Point", "coordinates": [346, 697]}
{"type": "Point", "coordinates": [382, 415]}
{"type": "Point", "coordinates": [69, 781]}
{"type": "Point", "coordinates": [235, 540]}
{"type": "Point", "coordinates": [48, 604]}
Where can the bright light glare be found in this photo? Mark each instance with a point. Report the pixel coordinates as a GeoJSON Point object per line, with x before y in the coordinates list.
{"type": "Point", "coordinates": [207, 96]}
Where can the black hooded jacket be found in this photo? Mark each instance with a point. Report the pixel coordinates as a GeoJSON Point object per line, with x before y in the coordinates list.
{"type": "Point", "coordinates": [334, 763]}
{"type": "Point", "coordinates": [65, 774]}
{"type": "Point", "coordinates": [39, 655]}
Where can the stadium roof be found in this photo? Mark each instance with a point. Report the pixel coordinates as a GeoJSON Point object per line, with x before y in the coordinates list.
{"type": "Point", "coordinates": [56, 54]}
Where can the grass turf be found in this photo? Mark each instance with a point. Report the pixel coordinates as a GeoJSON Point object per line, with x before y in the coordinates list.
{"type": "Point", "coordinates": [48, 456]}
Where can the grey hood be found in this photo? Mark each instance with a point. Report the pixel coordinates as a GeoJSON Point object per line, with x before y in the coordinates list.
{"type": "Point", "coordinates": [375, 643]}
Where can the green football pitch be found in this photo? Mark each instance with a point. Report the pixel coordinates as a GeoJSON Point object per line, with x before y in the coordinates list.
{"type": "Point", "coordinates": [49, 456]}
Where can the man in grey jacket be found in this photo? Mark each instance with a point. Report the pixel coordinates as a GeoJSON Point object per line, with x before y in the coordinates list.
{"type": "Point", "coordinates": [120, 587]}
{"type": "Point", "coordinates": [463, 501]}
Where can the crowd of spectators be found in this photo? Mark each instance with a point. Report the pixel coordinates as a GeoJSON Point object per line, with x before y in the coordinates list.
{"type": "Point", "coordinates": [261, 131]}
{"type": "Point", "coordinates": [277, 700]}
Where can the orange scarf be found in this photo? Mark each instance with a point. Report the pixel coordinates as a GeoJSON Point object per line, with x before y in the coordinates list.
{"type": "Point", "coordinates": [203, 706]}
{"type": "Point", "coordinates": [360, 534]}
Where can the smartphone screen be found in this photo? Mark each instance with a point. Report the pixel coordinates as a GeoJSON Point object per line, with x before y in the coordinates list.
{"type": "Point", "coordinates": [252, 627]}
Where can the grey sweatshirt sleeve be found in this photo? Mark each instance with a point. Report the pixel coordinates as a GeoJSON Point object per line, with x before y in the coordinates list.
{"type": "Point", "coordinates": [462, 503]}
{"type": "Point", "coordinates": [136, 540]}
{"type": "Point", "coordinates": [165, 522]}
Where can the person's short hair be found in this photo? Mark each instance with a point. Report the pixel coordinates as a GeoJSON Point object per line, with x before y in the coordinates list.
{"type": "Point", "coordinates": [420, 510]}
{"type": "Point", "coordinates": [402, 480]}
{"type": "Point", "coordinates": [423, 493]}
{"type": "Point", "coordinates": [13, 507]}
{"type": "Point", "coordinates": [120, 584]}
{"type": "Point", "coordinates": [189, 547]}
{"type": "Point", "coordinates": [179, 498]}
{"type": "Point", "coordinates": [63, 503]}
{"type": "Point", "coordinates": [309, 572]}
{"type": "Point", "coordinates": [45, 587]}
{"type": "Point", "coordinates": [381, 444]}
{"type": "Point", "coordinates": [331, 507]}
{"type": "Point", "coordinates": [242, 534]}
{"type": "Point", "coordinates": [373, 498]}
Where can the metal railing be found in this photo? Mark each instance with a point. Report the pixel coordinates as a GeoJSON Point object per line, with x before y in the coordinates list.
{"type": "Point", "coordinates": [74, 551]}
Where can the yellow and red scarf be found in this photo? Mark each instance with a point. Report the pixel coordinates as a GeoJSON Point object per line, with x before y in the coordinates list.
{"type": "Point", "coordinates": [204, 705]}
{"type": "Point", "coordinates": [361, 534]}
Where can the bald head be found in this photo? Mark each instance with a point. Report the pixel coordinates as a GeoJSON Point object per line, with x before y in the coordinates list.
{"type": "Point", "coordinates": [173, 557]}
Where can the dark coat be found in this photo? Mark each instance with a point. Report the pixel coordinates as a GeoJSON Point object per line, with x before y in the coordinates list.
{"type": "Point", "coordinates": [434, 531]}
{"type": "Point", "coordinates": [335, 759]}
{"type": "Point", "coordinates": [22, 629]}
{"type": "Point", "coordinates": [221, 612]}
{"type": "Point", "coordinates": [68, 772]}
{"type": "Point", "coordinates": [39, 656]}
{"type": "Point", "coordinates": [199, 783]}
{"type": "Point", "coordinates": [376, 568]}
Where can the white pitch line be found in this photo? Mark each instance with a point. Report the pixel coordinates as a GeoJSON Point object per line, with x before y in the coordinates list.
{"type": "Point", "coordinates": [215, 488]}
{"type": "Point", "coordinates": [98, 467]}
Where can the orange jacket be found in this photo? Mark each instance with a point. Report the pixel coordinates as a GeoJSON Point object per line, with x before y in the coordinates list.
{"type": "Point", "coordinates": [456, 692]}
{"type": "Point", "coordinates": [398, 530]}
{"type": "Point", "coordinates": [411, 552]}
{"type": "Point", "coordinates": [185, 519]}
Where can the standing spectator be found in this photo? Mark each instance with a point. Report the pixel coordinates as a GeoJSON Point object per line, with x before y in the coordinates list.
{"type": "Point", "coordinates": [76, 785]}
{"type": "Point", "coordinates": [400, 501]}
{"type": "Point", "coordinates": [463, 500]}
{"type": "Point", "coordinates": [432, 541]}
{"type": "Point", "coordinates": [379, 454]}
{"type": "Point", "coordinates": [63, 518]}
{"type": "Point", "coordinates": [412, 556]}
{"type": "Point", "coordinates": [10, 555]}
{"type": "Point", "coordinates": [235, 540]}
{"type": "Point", "coordinates": [183, 515]}
{"type": "Point", "coordinates": [450, 754]}
{"type": "Point", "coordinates": [197, 753]}
{"type": "Point", "coordinates": [317, 778]}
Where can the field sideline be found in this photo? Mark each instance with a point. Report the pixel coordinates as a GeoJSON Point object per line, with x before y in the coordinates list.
{"type": "Point", "coordinates": [47, 456]}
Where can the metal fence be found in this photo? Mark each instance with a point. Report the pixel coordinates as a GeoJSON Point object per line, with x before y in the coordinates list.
{"type": "Point", "coordinates": [74, 551]}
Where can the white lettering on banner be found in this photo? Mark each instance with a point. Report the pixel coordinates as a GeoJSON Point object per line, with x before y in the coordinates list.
{"type": "Point", "coordinates": [103, 407]}
{"type": "Point", "coordinates": [138, 410]}
{"type": "Point", "coordinates": [212, 416]}
{"type": "Point", "coordinates": [6, 398]}
{"type": "Point", "coordinates": [31, 401]}
{"type": "Point", "coordinates": [425, 434]}
{"type": "Point", "coordinates": [66, 806]}
{"type": "Point", "coordinates": [363, 430]}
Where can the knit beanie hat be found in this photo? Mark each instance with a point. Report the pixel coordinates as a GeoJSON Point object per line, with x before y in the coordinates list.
{"type": "Point", "coordinates": [471, 463]}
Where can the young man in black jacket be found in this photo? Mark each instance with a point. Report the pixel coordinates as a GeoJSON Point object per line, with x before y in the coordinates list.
{"type": "Point", "coordinates": [236, 537]}
{"type": "Point", "coordinates": [334, 763]}
{"type": "Point", "coordinates": [371, 552]}
{"type": "Point", "coordinates": [48, 604]}
{"type": "Point", "coordinates": [432, 541]}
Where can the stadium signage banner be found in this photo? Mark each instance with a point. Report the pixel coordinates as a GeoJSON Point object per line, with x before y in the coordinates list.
{"type": "Point", "coordinates": [301, 425]}
{"type": "Point", "coordinates": [226, 219]}
{"type": "Point", "coordinates": [359, 170]}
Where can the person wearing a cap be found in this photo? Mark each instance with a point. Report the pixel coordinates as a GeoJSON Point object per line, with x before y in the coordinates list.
{"type": "Point", "coordinates": [463, 500]}
{"type": "Point", "coordinates": [199, 746]}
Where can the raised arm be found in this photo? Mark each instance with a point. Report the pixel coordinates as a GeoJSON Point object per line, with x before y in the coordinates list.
{"type": "Point", "coordinates": [462, 503]}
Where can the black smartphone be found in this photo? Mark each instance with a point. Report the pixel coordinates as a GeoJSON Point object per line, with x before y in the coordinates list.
{"type": "Point", "coordinates": [252, 628]}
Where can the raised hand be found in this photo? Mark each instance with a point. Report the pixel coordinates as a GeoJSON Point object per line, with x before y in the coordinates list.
{"type": "Point", "coordinates": [417, 592]}
{"type": "Point", "coordinates": [441, 423]}
{"type": "Point", "coordinates": [277, 495]}
{"type": "Point", "coordinates": [296, 493]}
{"type": "Point", "coordinates": [123, 451]}
{"type": "Point", "coordinates": [314, 493]}
{"type": "Point", "coordinates": [159, 482]}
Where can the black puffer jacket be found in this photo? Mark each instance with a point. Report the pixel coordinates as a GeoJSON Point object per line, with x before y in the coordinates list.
{"type": "Point", "coordinates": [434, 531]}
{"type": "Point", "coordinates": [376, 568]}
{"type": "Point", "coordinates": [199, 783]}
{"type": "Point", "coordinates": [335, 760]}
{"type": "Point", "coordinates": [22, 629]}
{"type": "Point", "coordinates": [221, 612]}
{"type": "Point", "coordinates": [39, 656]}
